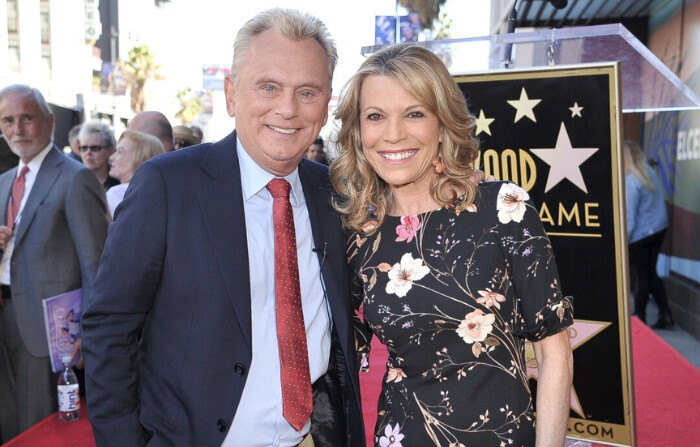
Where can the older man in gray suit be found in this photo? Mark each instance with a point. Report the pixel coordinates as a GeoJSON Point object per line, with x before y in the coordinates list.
{"type": "Point", "coordinates": [53, 225]}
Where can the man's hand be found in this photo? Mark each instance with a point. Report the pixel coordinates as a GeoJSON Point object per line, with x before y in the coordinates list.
{"type": "Point", "coordinates": [77, 351]}
{"type": "Point", "coordinates": [5, 235]}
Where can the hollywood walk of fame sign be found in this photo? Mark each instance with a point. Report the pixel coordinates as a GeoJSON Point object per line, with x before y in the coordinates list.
{"type": "Point", "coordinates": [556, 132]}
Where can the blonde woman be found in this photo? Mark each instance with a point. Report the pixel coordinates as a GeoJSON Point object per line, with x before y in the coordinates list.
{"type": "Point", "coordinates": [452, 277]}
{"type": "Point", "coordinates": [133, 149]}
{"type": "Point", "coordinates": [646, 228]}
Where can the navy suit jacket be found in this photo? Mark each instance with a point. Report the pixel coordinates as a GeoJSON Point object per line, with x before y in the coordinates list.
{"type": "Point", "coordinates": [172, 296]}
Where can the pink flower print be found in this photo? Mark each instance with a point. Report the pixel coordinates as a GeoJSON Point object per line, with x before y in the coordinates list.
{"type": "Point", "coordinates": [408, 228]}
{"type": "Point", "coordinates": [489, 298]}
{"type": "Point", "coordinates": [395, 374]}
{"type": "Point", "coordinates": [384, 267]}
{"type": "Point", "coordinates": [360, 312]}
{"type": "Point", "coordinates": [392, 437]}
{"type": "Point", "coordinates": [476, 326]}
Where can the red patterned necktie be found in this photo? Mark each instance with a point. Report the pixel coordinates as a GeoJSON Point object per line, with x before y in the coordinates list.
{"type": "Point", "coordinates": [297, 399]}
{"type": "Point", "coordinates": [17, 194]}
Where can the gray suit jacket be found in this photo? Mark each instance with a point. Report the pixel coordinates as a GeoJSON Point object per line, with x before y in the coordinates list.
{"type": "Point", "coordinates": [58, 241]}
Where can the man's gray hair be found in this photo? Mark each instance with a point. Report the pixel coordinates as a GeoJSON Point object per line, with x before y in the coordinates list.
{"type": "Point", "coordinates": [292, 24]}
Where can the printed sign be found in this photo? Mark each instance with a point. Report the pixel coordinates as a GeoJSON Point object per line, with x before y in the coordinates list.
{"type": "Point", "coordinates": [556, 132]}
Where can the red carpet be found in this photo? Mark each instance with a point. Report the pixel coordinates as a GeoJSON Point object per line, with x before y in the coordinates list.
{"type": "Point", "coordinates": [667, 389]}
{"type": "Point", "coordinates": [667, 392]}
{"type": "Point", "coordinates": [54, 433]}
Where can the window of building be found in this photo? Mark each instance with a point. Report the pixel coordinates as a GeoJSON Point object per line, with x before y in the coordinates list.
{"type": "Point", "coordinates": [45, 22]}
{"type": "Point", "coordinates": [13, 35]}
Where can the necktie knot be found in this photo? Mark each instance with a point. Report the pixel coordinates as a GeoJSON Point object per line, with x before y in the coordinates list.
{"type": "Point", "coordinates": [23, 172]}
{"type": "Point", "coordinates": [16, 198]}
{"type": "Point", "coordinates": [279, 188]}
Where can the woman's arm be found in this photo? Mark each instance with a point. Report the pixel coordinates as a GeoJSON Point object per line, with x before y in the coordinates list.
{"type": "Point", "coordinates": [556, 370]}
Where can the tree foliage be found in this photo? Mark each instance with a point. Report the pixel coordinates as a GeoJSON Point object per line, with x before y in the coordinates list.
{"type": "Point", "coordinates": [442, 28]}
{"type": "Point", "coordinates": [190, 105]}
{"type": "Point", "coordinates": [429, 10]}
{"type": "Point", "coordinates": [138, 69]}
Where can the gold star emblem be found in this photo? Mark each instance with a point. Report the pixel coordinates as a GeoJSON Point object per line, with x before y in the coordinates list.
{"type": "Point", "coordinates": [576, 110]}
{"type": "Point", "coordinates": [524, 106]}
{"type": "Point", "coordinates": [564, 161]}
{"type": "Point", "coordinates": [483, 123]}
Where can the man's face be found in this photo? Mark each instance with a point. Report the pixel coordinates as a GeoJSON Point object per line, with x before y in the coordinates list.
{"type": "Point", "coordinates": [25, 129]}
{"type": "Point", "coordinates": [280, 100]}
{"type": "Point", "coordinates": [94, 152]}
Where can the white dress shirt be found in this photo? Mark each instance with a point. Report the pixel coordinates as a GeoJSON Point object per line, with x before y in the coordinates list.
{"type": "Point", "coordinates": [34, 166]}
{"type": "Point", "coordinates": [258, 421]}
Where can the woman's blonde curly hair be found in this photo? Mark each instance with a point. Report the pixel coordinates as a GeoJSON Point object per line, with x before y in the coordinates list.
{"type": "Point", "coordinates": [422, 74]}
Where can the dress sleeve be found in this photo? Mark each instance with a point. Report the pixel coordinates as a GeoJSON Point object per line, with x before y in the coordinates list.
{"type": "Point", "coordinates": [362, 331]}
{"type": "Point", "coordinates": [541, 308]}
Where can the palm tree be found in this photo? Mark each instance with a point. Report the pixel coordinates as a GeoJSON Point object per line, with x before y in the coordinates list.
{"type": "Point", "coordinates": [429, 10]}
{"type": "Point", "coordinates": [190, 105]}
{"type": "Point", "coordinates": [138, 69]}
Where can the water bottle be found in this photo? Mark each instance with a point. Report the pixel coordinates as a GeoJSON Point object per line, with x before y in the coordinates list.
{"type": "Point", "coordinates": [68, 393]}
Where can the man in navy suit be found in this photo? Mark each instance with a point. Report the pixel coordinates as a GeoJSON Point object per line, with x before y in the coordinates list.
{"type": "Point", "coordinates": [179, 336]}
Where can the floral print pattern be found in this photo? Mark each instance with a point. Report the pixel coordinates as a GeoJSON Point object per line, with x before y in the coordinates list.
{"type": "Point", "coordinates": [511, 203]}
{"type": "Point", "coordinates": [407, 229]}
{"type": "Point", "coordinates": [454, 296]}
{"type": "Point", "coordinates": [402, 275]}
{"type": "Point", "coordinates": [392, 437]}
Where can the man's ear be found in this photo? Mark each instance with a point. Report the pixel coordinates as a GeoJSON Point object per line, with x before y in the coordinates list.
{"type": "Point", "coordinates": [230, 101]}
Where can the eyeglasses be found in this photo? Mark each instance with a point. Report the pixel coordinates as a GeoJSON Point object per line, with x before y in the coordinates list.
{"type": "Point", "coordinates": [94, 148]}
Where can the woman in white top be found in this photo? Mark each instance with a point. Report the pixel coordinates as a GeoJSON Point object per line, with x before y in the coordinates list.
{"type": "Point", "coordinates": [133, 149]}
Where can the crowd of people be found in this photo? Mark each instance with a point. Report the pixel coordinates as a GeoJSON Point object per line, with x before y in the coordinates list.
{"type": "Point", "coordinates": [235, 297]}
{"type": "Point", "coordinates": [53, 233]}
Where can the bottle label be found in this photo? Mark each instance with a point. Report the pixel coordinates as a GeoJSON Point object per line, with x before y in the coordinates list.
{"type": "Point", "coordinates": [69, 397]}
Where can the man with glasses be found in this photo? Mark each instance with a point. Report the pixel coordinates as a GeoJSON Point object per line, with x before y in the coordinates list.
{"type": "Point", "coordinates": [54, 218]}
{"type": "Point", "coordinates": [97, 144]}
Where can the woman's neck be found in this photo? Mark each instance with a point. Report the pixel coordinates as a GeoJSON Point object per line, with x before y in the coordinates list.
{"type": "Point", "coordinates": [410, 201]}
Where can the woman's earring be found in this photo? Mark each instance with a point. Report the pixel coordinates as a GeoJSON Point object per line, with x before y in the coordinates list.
{"type": "Point", "coordinates": [438, 165]}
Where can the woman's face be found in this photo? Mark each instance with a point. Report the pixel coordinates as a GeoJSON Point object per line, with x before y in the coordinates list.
{"type": "Point", "coordinates": [400, 137]}
{"type": "Point", "coordinates": [315, 153]}
{"type": "Point", "coordinates": [122, 162]}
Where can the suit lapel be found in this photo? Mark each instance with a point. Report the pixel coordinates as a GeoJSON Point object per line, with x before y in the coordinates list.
{"type": "Point", "coordinates": [318, 205]}
{"type": "Point", "coordinates": [45, 179]}
{"type": "Point", "coordinates": [221, 202]}
{"type": "Point", "coordinates": [328, 239]}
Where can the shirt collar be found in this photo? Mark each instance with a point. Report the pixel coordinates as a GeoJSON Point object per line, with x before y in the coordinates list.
{"type": "Point", "coordinates": [35, 163]}
{"type": "Point", "coordinates": [254, 178]}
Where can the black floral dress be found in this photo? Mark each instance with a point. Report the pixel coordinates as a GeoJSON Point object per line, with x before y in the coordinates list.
{"type": "Point", "coordinates": [454, 294]}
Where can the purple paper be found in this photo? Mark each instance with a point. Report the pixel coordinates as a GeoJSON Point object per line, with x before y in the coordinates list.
{"type": "Point", "coordinates": [62, 320]}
